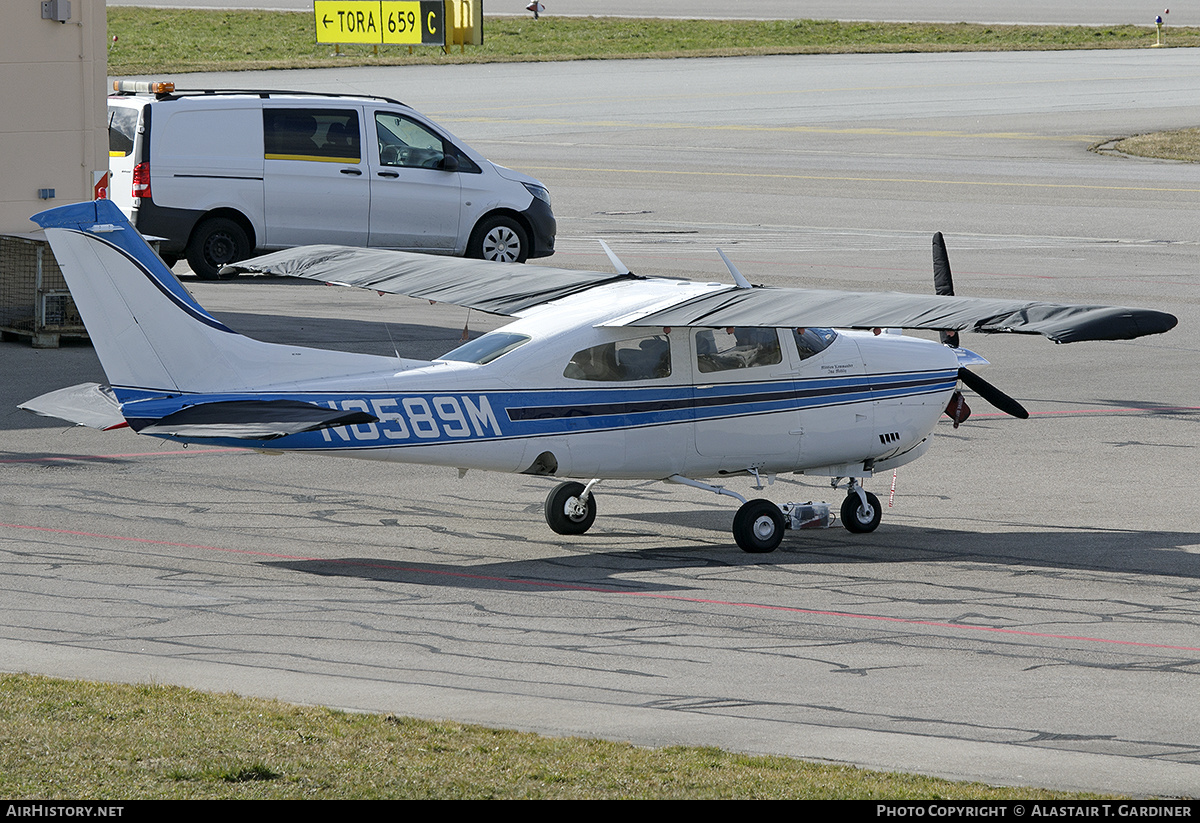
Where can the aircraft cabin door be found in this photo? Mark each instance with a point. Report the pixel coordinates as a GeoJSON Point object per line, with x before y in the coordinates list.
{"type": "Point", "coordinates": [837, 412]}
{"type": "Point", "coordinates": [744, 400]}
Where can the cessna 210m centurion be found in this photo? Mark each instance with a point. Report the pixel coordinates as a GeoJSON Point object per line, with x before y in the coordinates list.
{"type": "Point", "coordinates": [600, 376]}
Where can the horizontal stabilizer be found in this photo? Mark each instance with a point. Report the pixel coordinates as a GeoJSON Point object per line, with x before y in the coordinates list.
{"type": "Point", "coordinates": [250, 420]}
{"type": "Point", "coordinates": [88, 404]}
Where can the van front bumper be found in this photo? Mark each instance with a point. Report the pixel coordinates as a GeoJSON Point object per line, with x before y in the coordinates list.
{"type": "Point", "coordinates": [542, 228]}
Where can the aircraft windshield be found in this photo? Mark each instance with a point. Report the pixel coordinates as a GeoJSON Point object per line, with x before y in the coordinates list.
{"type": "Point", "coordinates": [813, 341]}
{"type": "Point", "coordinates": [487, 348]}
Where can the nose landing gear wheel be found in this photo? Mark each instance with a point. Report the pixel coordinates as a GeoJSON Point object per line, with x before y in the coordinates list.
{"type": "Point", "coordinates": [758, 527]}
{"type": "Point", "coordinates": [566, 513]}
{"type": "Point", "coordinates": [857, 519]}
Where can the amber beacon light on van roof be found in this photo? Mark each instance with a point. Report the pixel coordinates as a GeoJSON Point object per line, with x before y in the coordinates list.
{"type": "Point", "coordinates": [142, 87]}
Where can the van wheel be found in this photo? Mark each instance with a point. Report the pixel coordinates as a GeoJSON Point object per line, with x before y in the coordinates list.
{"type": "Point", "coordinates": [216, 242]}
{"type": "Point", "coordinates": [499, 238]}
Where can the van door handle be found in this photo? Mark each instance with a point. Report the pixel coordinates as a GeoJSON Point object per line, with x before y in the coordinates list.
{"type": "Point", "coordinates": [388, 173]}
{"type": "Point", "coordinates": [351, 171]}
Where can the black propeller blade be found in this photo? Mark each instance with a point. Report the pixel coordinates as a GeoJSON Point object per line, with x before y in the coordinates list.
{"type": "Point", "coordinates": [943, 281]}
{"type": "Point", "coordinates": [992, 394]}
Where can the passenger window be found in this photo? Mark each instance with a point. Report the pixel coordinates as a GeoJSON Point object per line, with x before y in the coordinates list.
{"type": "Point", "coordinates": [813, 341]}
{"type": "Point", "coordinates": [642, 358]}
{"type": "Point", "coordinates": [736, 348]}
{"type": "Point", "coordinates": [322, 135]}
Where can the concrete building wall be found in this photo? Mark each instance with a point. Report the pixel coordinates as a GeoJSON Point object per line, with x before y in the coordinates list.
{"type": "Point", "coordinates": [53, 134]}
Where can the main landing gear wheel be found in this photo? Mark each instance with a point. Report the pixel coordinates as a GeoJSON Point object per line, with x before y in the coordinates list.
{"type": "Point", "coordinates": [857, 519]}
{"type": "Point", "coordinates": [566, 513]}
{"type": "Point", "coordinates": [758, 527]}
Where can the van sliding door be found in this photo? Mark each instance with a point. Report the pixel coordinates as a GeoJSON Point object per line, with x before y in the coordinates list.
{"type": "Point", "coordinates": [316, 187]}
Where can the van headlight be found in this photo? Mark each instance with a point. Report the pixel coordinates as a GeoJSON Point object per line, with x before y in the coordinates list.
{"type": "Point", "coordinates": [538, 191]}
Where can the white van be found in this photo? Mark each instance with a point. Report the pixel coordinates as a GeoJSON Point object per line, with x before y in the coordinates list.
{"type": "Point", "coordinates": [219, 174]}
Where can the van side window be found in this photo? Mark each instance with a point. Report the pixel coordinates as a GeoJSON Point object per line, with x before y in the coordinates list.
{"type": "Point", "coordinates": [405, 142]}
{"type": "Point", "coordinates": [736, 348]}
{"type": "Point", "coordinates": [322, 135]}
{"type": "Point", "coordinates": [642, 358]}
{"type": "Point", "coordinates": [122, 127]}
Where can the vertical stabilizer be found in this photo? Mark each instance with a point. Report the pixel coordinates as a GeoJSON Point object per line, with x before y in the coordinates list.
{"type": "Point", "coordinates": [148, 331]}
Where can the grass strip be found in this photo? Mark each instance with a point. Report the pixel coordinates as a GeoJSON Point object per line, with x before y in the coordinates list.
{"type": "Point", "coordinates": [1183, 144]}
{"type": "Point", "coordinates": [61, 739]}
{"type": "Point", "coordinates": [156, 41]}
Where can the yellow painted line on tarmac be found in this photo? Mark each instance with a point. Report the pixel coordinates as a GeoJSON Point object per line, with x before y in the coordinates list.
{"type": "Point", "coordinates": [845, 179]}
{"type": "Point", "coordinates": [739, 127]}
{"type": "Point", "coordinates": [978, 88]}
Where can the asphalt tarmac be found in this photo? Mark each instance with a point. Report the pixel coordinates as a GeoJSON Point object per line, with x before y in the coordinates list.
{"type": "Point", "coordinates": [1026, 614]}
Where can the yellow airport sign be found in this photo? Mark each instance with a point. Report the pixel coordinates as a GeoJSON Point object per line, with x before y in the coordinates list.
{"type": "Point", "coordinates": [464, 22]}
{"type": "Point", "coordinates": [381, 22]}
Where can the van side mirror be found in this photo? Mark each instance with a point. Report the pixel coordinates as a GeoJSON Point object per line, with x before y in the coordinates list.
{"type": "Point", "coordinates": [449, 163]}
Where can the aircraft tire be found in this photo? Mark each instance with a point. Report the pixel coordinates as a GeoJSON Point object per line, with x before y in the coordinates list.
{"type": "Point", "coordinates": [559, 518]}
{"type": "Point", "coordinates": [855, 519]}
{"type": "Point", "coordinates": [758, 527]}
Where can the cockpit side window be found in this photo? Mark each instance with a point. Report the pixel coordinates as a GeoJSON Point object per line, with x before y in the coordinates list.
{"type": "Point", "coordinates": [487, 348]}
{"type": "Point", "coordinates": [640, 358]}
{"type": "Point", "coordinates": [813, 341]}
{"type": "Point", "coordinates": [736, 348]}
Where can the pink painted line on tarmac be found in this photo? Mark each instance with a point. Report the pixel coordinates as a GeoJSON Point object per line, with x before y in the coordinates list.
{"type": "Point", "coordinates": [535, 584]}
{"type": "Point", "coordinates": [113, 456]}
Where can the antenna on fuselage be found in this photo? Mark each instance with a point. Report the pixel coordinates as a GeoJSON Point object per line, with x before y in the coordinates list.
{"type": "Point", "coordinates": [616, 261]}
{"type": "Point", "coordinates": [738, 277]}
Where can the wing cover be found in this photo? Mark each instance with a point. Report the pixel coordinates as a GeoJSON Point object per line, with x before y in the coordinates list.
{"type": "Point", "coordinates": [249, 419]}
{"type": "Point", "coordinates": [509, 288]}
{"type": "Point", "coordinates": [498, 288]}
{"type": "Point", "coordinates": [88, 404]}
{"type": "Point", "coordinates": [857, 310]}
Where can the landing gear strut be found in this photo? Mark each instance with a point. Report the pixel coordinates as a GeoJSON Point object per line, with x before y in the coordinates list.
{"type": "Point", "coordinates": [758, 526]}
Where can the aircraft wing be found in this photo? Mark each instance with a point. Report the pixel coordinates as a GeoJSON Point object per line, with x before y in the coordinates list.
{"type": "Point", "coordinates": [498, 288]}
{"type": "Point", "coordinates": [509, 288]}
{"type": "Point", "coordinates": [761, 306]}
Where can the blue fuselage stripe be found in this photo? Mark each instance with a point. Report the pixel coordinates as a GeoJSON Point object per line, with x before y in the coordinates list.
{"type": "Point", "coordinates": [435, 418]}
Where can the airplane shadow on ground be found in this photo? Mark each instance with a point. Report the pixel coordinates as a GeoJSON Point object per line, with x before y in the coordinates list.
{"type": "Point", "coordinates": [1048, 553]}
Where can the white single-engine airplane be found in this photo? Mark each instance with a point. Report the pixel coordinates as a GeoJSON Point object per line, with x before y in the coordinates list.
{"type": "Point", "coordinates": [600, 376]}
